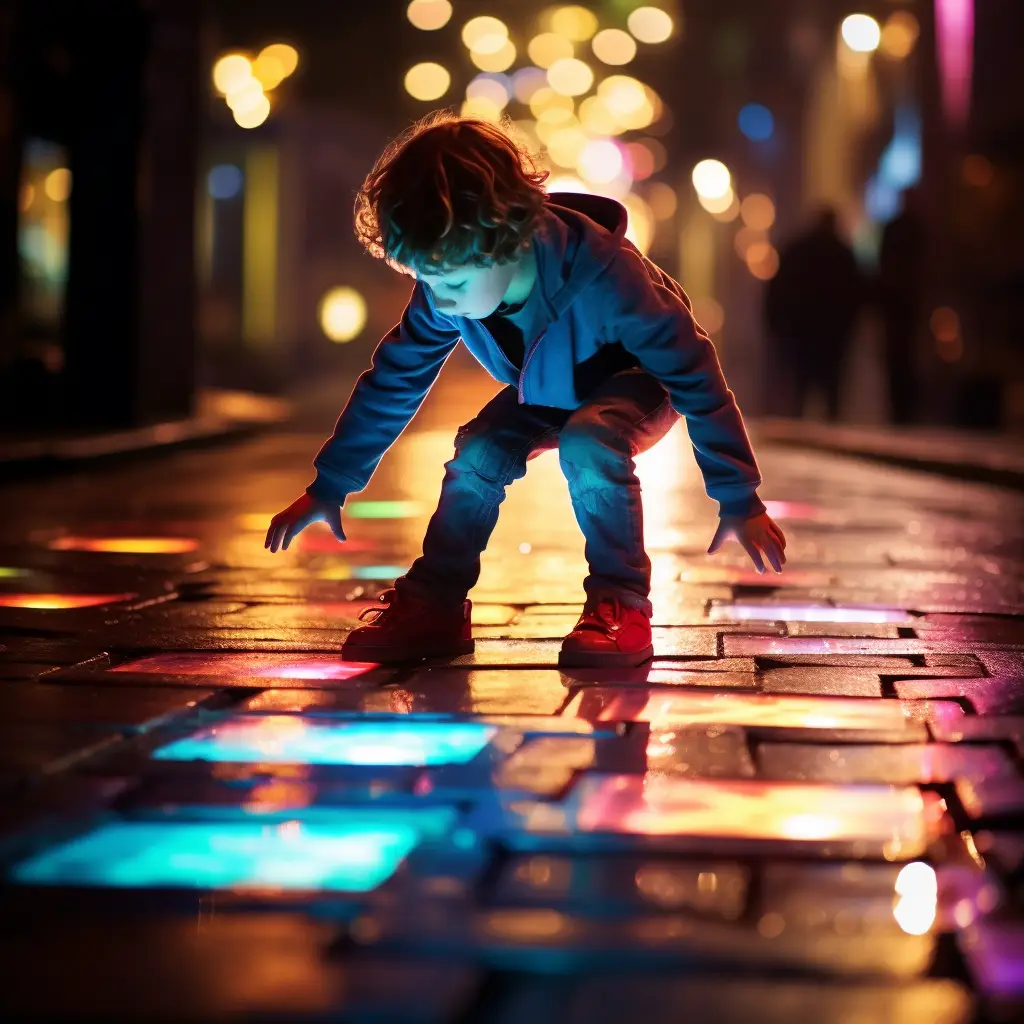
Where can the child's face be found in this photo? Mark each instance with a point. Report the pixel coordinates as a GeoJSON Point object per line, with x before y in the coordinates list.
{"type": "Point", "coordinates": [470, 291]}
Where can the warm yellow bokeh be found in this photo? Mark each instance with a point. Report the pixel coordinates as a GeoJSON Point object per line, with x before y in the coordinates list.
{"type": "Point", "coordinates": [650, 24]}
{"type": "Point", "coordinates": [275, 63]}
{"type": "Point", "coordinates": [484, 34]}
{"type": "Point", "coordinates": [758, 211]}
{"type": "Point", "coordinates": [230, 72]}
{"type": "Point", "coordinates": [429, 15]}
{"type": "Point", "coordinates": [499, 60]}
{"type": "Point", "coordinates": [711, 179]}
{"type": "Point", "coordinates": [57, 184]}
{"type": "Point", "coordinates": [546, 48]}
{"type": "Point", "coordinates": [899, 34]}
{"type": "Point", "coordinates": [574, 22]}
{"type": "Point", "coordinates": [861, 33]}
{"type": "Point", "coordinates": [613, 46]}
{"type": "Point", "coordinates": [253, 115]}
{"type": "Point", "coordinates": [481, 107]}
{"type": "Point", "coordinates": [427, 81]}
{"type": "Point", "coordinates": [342, 314]}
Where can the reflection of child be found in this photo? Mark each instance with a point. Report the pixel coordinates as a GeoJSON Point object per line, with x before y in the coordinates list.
{"type": "Point", "coordinates": [600, 355]}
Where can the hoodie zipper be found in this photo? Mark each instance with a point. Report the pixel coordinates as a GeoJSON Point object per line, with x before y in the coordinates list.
{"type": "Point", "coordinates": [526, 362]}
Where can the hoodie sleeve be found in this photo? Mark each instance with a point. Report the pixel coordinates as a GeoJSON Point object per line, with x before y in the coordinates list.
{"type": "Point", "coordinates": [385, 398]}
{"type": "Point", "coordinates": [649, 314]}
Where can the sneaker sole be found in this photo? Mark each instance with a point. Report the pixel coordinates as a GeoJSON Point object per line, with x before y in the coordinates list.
{"type": "Point", "coordinates": [589, 659]}
{"type": "Point", "coordinates": [393, 656]}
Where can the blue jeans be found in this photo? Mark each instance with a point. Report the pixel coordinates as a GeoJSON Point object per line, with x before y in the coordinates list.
{"type": "Point", "coordinates": [624, 416]}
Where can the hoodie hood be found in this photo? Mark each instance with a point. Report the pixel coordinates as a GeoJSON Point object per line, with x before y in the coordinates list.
{"type": "Point", "coordinates": [580, 235]}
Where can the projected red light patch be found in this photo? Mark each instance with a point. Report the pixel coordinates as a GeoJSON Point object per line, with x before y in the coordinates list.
{"type": "Point", "coordinates": [55, 602]}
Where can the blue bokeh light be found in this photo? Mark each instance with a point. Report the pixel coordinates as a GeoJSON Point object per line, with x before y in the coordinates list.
{"type": "Point", "coordinates": [347, 857]}
{"type": "Point", "coordinates": [224, 181]}
{"type": "Point", "coordinates": [756, 122]}
{"type": "Point", "coordinates": [291, 739]}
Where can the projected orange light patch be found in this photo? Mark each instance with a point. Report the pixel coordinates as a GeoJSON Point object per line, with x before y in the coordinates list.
{"type": "Point", "coordinates": [127, 545]}
{"type": "Point", "coordinates": [52, 602]}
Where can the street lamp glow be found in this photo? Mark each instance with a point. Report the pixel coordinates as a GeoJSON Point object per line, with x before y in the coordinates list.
{"type": "Point", "coordinates": [428, 15]}
{"type": "Point", "coordinates": [570, 77]}
{"type": "Point", "coordinates": [650, 24]}
{"type": "Point", "coordinates": [711, 179]}
{"type": "Point", "coordinates": [230, 72]}
{"type": "Point", "coordinates": [342, 314]}
{"type": "Point", "coordinates": [427, 81]}
{"type": "Point", "coordinates": [861, 33]}
{"type": "Point", "coordinates": [613, 46]}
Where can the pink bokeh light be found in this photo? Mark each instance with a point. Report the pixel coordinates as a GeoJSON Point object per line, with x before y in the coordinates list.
{"type": "Point", "coordinates": [954, 29]}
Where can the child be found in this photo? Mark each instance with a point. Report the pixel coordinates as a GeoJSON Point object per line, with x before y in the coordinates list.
{"type": "Point", "coordinates": [600, 355]}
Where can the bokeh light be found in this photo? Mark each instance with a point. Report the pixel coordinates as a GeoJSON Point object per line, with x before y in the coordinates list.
{"type": "Point", "coordinates": [546, 99]}
{"type": "Point", "coordinates": [763, 260]}
{"type": "Point", "coordinates": [224, 181]}
{"type": "Point", "coordinates": [662, 200]}
{"type": "Point", "coordinates": [641, 160]}
{"type": "Point", "coordinates": [723, 208]}
{"type": "Point", "coordinates": [230, 72]}
{"type": "Point", "coordinates": [861, 33]}
{"type": "Point", "coordinates": [342, 314]}
{"type": "Point", "coordinates": [978, 170]}
{"type": "Point", "coordinates": [596, 117]}
{"type": "Point", "coordinates": [574, 22]}
{"type": "Point", "coordinates": [633, 105]}
{"type": "Point", "coordinates": [274, 64]}
{"type": "Point", "coordinates": [758, 211]}
{"type": "Point", "coordinates": [711, 179]}
{"type": "Point", "coordinates": [570, 77]}
{"type": "Point", "coordinates": [57, 184]}
{"type": "Point", "coordinates": [252, 115]}
{"type": "Point", "coordinates": [526, 81]}
{"type": "Point", "coordinates": [496, 89]}
{"type": "Point", "coordinates": [899, 34]}
{"type": "Point", "coordinates": [916, 898]}
{"type": "Point", "coordinates": [565, 144]}
{"type": "Point", "coordinates": [613, 46]}
{"type": "Point", "coordinates": [427, 81]}
{"type": "Point", "coordinates": [483, 108]}
{"type": "Point", "coordinates": [756, 122]}
{"type": "Point", "coordinates": [547, 47]}
{"type": "Point", "coordinates": [499, 60]}
{"type": "Point", "coordinates": [429, 15]}
{"type": "Point", "coordinates": [600, 162]}
{"type": "Point", "coordinates": [640, 224]}
{"type": "Point", "coordinates": [484, 34]}
{"type": "Point", "coordinates": [708, 313]}
{"type": "Point", "coordinates": [650, 24]}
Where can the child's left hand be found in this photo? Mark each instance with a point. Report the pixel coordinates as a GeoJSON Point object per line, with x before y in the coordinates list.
{"type": "Point", "coordinates": [760, 533]}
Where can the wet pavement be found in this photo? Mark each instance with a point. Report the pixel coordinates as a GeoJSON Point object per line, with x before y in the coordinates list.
{"type": "Point", "coordinates": [807, 807]}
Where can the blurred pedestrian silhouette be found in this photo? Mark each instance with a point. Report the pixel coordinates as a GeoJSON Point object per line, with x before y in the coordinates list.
{"type": "Point", "coordinates": [899, 292]}
{"type": "Point", "coordinates": [811, 308]}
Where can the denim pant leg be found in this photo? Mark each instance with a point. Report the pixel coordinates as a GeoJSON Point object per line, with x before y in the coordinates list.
{"type": "Point", "coordinates": [490, 452]}
{"type": "Point", "coordinates": [626, 415]}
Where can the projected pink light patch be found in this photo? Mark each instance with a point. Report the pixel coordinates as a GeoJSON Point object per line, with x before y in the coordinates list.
{"type": "Point", "coordinates": [794, 510]}
{"type": "Point", "coordinates": [738, 646]}
{"type": "Point", "coordinates": [805, 613]}
{"type": "Point", "coordinates": [264, 666]}
{"type": "Point", "coordinates": [55, 602]}
{"type": "Point", "coordinates": [666, 710]}
{"type": "Point", "coordinates": [896, 817]}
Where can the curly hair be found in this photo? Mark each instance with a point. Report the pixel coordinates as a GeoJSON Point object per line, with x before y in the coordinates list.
{"type": "Point", "coordinates": [450, 191]}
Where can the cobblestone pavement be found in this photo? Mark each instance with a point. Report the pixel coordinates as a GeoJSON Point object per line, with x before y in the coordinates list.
{"type": "Point", "coordinates": [807, 808]}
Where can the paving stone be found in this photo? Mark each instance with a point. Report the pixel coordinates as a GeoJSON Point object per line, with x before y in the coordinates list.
{"type": "Point", "coordinates": [27, 750]}
{"type": "Point", "coordinates": [893, 764]}
{"type": "Point", "coordinates": [25, 670]}
{"type": "Point", "coordinates": [268, 965]}
{"type": "Point", "coordinates": [665, 1001]}
{"type": "Point", "coordinates": [979, 728]}
{"type": "Point", "coordinates": [738, 645]}
{"type": "Point", "coordinates": [699, 751]}
{"type": "Point", "coordinates": [510, 690]}
{"type": "Point", "coordinates": [822, 682]}
{"type": "Point", "coordinates": [991, 695]}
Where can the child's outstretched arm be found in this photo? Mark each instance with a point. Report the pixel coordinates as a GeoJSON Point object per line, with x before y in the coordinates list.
{"type": "Point", "coordinates": [405, 365]}
{"type": "Point", "coordinates": [648, 313]}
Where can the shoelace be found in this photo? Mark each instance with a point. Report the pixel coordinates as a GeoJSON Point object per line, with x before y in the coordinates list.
{"type": "Point", "coordinates": [385, 597]}
{"type": "Point", "coordinates": [608, 610]}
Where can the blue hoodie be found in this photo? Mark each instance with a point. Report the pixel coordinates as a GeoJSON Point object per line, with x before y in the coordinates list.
{"type": "Point", "coordinates": [595, 289]}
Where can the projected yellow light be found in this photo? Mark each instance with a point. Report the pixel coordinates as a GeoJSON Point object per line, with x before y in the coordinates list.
{"type": "Point", "coordinates": [126, 545]}
{"type": "Point", "coordinates": [429, 15]}
{"type": "Point", "coordinates": [230, 72]}
{"type": "Point", "coordinates": [613, 46]}
{"type": "Point", "coordinates": [574, 22]}
{"type": "Point", "coordinates": [650, 24]}
{"type": "Point", "coordinates": [342, 314]}
{"type": "Point", "coordinates": [570, 77]}
{"type": "Point", "coordinates": [427, 81]}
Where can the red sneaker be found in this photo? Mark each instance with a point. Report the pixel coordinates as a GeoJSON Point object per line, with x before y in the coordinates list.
{"type": "Point", "coordinates": [410, 628]}
{"type": "Point", "coordinates": [609, 633]}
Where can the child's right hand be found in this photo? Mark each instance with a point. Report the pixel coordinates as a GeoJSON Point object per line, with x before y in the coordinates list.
{"type": "Point", "coordinates": [297, 516]}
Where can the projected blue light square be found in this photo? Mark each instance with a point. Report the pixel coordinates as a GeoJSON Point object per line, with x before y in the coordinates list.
{"type": "Point", "coordinates": [291, 739]}
{"type": "Point", "coordinates": [347, 857]}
